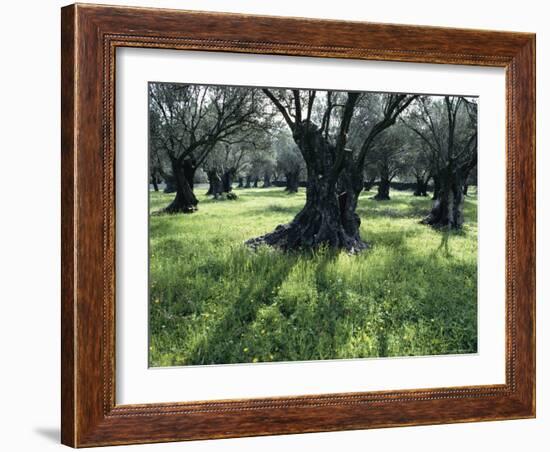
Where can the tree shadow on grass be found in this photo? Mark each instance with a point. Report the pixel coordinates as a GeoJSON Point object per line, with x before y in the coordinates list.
{"type": "Point", "coordinates": [277, 192]}
{"type": "Point", "coordinates": [426, 292]}
{"type": "Point", "coordinates": [395, 209]}
{"type": "Point", "coordinates": [218, 346]}
{"type": "Point", "coordinates": [310, 321]}
{"type": "Point", "coordinates": [291, 211]}
{"type": "Point", "coordinates": [393, 238]}
{"type": "Point", "coordinates": [258, 302]}
{"type": "Point", "coordinates": [427, 296]}
{"type": "Point", "coordinates": [310, 328]}
{"type": "Point", "coordinates": [444, 245]}
{"type": "Point", "coordinates": [446, 235]}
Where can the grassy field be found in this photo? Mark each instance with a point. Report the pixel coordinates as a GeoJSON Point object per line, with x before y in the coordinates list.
{"type": "Point", "coordinates": [213, 301]}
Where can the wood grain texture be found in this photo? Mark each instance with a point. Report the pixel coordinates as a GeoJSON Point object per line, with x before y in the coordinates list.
{"type": "Point", "coordinates": [68, 146]}
{"type": "Point", "coordinates": [90, 36]}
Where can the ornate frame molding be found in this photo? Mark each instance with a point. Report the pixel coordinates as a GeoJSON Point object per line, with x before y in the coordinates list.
{"type": "Point", "coordinates": [90, 37]}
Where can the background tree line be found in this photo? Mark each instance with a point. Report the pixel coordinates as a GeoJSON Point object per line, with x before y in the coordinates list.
{"type": "Point", "coordinates": [335, 144]}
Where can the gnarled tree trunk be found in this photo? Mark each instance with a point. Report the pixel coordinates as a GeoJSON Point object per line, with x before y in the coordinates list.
{"type": "Point", "coordinates": [383, 193]}
{"type": "Point", "coordinates": [215, 185]}
{"type": "Point", "coordinates": [248, 181]}
{"type": "Point", "coordinates": [185, 200]}
{"type": "Point", "coordinates": [369, 183]}
{"type": "Point", "coordinates": [227, 180]}
{"type": "Point", "coordinates": [210, 175]}
{"type": "Point", "coordinates": [227, 184]}
{"type": "Point", "coordinates": [267, 181]}
{"type": "Point", "coordinates": [448, 207]}
{"type": "Point", "coordinates": [241, 182]}
{"type": "Point", "coordinates": [170, 182]}
{"type": "Point", "coordinates": [421, 186]}
{"type": "Point", "coordinates": [155, 183]}
{"type": "Point", "coordinates": [292, 181]}
{"type": "Point", "coordinates": [437, 186]}
{"type": "Point", "coordinates": [350, 185]}
{"type": "Point", "coordinates": [320, 222]}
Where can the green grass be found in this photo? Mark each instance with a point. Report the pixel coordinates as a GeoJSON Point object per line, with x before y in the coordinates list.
{"type": "Point", "coordinates": [214, 301]}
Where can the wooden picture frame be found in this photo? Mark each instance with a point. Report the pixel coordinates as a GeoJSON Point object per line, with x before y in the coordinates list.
{"type": "Point", "coordinates": [90, 36]}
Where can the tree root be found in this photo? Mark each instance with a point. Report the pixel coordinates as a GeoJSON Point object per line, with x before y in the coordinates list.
{"type": "Point", "coordinates": [289, 237]}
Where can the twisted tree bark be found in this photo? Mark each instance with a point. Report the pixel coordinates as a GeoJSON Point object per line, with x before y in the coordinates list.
{"type": "Point", "coordinates": [292, 181]}
{"type": "Point", "coordinates": [369, 183]}
{"type": "Point", "coordinates": [227, 180]}
{"type": "Point", "coordinates": [323, 221]}
{"type": "Point", "coordinates": [421, 186]}
{"type": "Point", "coordinates": [185, 200]}
{"type": "Point", "coordinates": [437, 186]}
{"type": "Point", "coordinates": [448, 207]}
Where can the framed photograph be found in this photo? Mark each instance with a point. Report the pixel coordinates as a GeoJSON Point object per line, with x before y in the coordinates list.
{"type": "Point", "coordinates": [279, 225]}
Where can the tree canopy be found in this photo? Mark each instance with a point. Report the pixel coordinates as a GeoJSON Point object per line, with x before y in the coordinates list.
{"type": "Point", "coordinates": [335, 143]}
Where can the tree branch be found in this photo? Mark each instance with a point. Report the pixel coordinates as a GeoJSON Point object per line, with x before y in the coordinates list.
{"type": "Point", "coordinates": [280, 107]}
